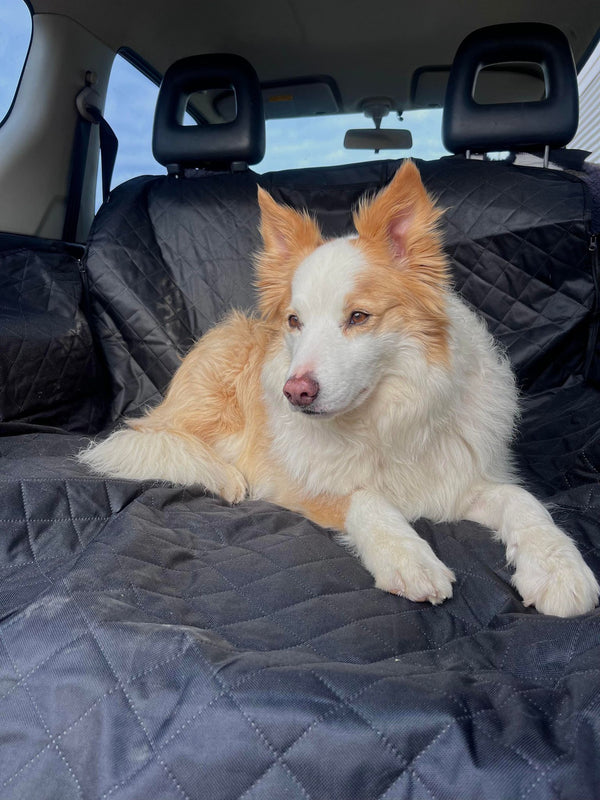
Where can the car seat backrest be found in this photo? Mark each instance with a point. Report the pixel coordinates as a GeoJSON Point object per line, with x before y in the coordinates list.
{"type": "Point", "coordinates": [536, 132]}
{"type": "Point", "coordinates": [169, 255]}
{"type": "Point", "coordinates": [168, 258]}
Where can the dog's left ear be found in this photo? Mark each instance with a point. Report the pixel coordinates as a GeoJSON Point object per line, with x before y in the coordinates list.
{"type": "Point", "coordinates": [401, 216]}
{"type": "Point", "coordinates": [288, 236]}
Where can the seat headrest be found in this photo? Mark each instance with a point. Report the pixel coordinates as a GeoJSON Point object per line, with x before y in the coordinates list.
{"type": "Point", "coordinates": [241, 141]}
{"type": "Point", "coordinates": [549, 122]}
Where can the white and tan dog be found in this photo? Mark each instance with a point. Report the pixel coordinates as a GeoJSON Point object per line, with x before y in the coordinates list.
{"type": "Point", "coordinates": [366, 395]}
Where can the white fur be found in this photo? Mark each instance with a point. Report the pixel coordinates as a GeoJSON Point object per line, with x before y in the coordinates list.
{"type": "Point", "coordinates": [401, 437]}
{"type": "Point", "coordinates": [424, 442]}
{"type": "Point", "coordinates": [422, 436]}
{"type": "Point", "coordinates": [162, 455]}
{"type": "Point", "coordinates": [345, 369]}
{"type": "Point", "coordinates": [400, 561]}
{"type": "Point", "coordinates": [548, 566]}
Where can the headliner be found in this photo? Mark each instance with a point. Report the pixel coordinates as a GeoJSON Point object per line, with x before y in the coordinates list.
{"type": "Point", "coordinates": [369, 48]}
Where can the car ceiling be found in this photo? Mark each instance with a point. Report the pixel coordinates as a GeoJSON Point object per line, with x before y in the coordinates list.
{"type": "Point", "coordinates": [369, 48]}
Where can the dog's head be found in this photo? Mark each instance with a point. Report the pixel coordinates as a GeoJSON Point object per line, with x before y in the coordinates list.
{"type": "Point", "coordinates": [348, 306]}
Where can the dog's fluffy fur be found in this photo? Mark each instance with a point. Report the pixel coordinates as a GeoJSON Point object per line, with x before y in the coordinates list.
{"type": "Point", "coordinates": [398, 405]}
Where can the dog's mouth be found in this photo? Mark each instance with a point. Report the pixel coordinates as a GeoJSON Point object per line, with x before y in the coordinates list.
{"type": "Point", "coordinates": [325, 413]}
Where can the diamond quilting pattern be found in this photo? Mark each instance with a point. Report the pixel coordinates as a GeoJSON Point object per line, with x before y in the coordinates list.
{"type": "Point", "coordinates": [49, 372]}
{"type": "Point", "coordinates": [168, 258]}
{"type": "Point", "coordinates": [156, 642]}
{"type": "Point", "coordinates": [520, 256]}
{"type": "Point", "coordinates": [163, 269]}
{"type": "Point", "coordinates": [203, 709]}
{"type": "Point", "coordinates": [241, 651]}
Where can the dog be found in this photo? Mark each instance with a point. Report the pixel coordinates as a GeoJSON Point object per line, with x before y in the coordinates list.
{"type": "Point", "coordinates": [364, 395]}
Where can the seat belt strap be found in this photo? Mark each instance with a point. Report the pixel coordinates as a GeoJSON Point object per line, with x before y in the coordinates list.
{"type": "Point", "coordinates": [81, 143]}
{"type": "Point", "coordinates": [89, 115]}
{"type": "Point", "coordinates": [109, 144]}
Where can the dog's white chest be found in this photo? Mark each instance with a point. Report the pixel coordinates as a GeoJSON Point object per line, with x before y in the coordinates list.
{"type": "Point", "coordinates": [320, 459]}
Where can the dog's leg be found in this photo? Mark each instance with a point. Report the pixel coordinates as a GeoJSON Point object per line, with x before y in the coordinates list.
{"type": "Point", "coordinates": [400, 561]}
{"type": "Point", "coordinates": [549, 570]}
{"type": "Point", "coordinates": [398, 558]}
{"type": "Point", "coordinates": [142, 453]}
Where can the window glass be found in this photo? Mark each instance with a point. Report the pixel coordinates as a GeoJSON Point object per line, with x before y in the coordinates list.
{"type": "Point", "coordinates": [318, 141]}
{"type": "Point", "coordinates": [15, 35]}
{"type": "Point", "coordinates": [588, 132]}
{"type": "Point", "coordinates": [291, 143]}
{"type": "Point", "coordinates": [129, 110]}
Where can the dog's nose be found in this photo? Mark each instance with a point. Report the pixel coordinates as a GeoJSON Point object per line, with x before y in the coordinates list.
{"type": "Point", "coordinates": [301, 391]}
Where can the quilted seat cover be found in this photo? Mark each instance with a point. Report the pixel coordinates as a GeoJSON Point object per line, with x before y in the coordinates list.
{"type": "Point", "coordinates": [169, 257]}
{"type": "Point", "coordinates": [156, 642]}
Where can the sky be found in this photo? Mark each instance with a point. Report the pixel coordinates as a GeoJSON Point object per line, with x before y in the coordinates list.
{"type": "Point", "coordinates": [291, 143]}
{"type": "Point", "coordinates": [15, 33]}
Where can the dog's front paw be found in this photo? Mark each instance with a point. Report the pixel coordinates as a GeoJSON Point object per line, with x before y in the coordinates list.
{"type": "Point", "coordinates": [411, 569]}
{"type": "Point", "coordinates": [552, 576]}
{"type": "Point", "coordinates": [400, 561]}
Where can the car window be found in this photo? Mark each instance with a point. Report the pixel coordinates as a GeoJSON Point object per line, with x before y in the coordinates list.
{"type": "Point", "coordinates": [15, 35]}
{"type": "Point", "coordinates": [588, 132]}
{"type": "Point", "coordinates": [129, 110]}
{"type": "Point", "coordinates": [290, 143]}
{"type": "Point", "coordinates": [319, 141]}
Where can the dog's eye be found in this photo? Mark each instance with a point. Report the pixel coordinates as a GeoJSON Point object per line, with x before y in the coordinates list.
{"type": "Point", "coordinates": [293, 321]}
{"type": "Point", "coordinates": [358, 317]}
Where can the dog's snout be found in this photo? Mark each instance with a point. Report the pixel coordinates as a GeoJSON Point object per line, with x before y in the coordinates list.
{"type": "Point", "coordinates": [302, 390]}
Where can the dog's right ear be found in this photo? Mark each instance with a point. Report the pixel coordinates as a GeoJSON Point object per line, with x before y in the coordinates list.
{"type": "Point", "coordinates": [288, 237]}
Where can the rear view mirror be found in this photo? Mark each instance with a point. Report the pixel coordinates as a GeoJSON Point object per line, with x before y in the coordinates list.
{"type": "Point", "coordinates": [378, 139]}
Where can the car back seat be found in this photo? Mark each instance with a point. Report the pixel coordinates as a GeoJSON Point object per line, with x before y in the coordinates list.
{"type": "Point", "coordinates": [536, 132]}
{"type": "Point", "coordinates": [169, 255]}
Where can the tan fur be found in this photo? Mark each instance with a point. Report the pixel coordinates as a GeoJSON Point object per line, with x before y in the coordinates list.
{"type": "Point", "coordinates": [326, 510]}
{"type": "Point", "coordinates": [288, 237]}
{"type": "Point", "coordinates": [213, 394]}
{"type": "Point", "coordinates": [213, 397]}
{"type": "Point", "coordinates": [206, 396]}
{"type": "Point", "coordinates": [397, 231]}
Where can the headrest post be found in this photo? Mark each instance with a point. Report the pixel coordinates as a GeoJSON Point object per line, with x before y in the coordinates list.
{"type": "Point", "coordinates": [546, 155]}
